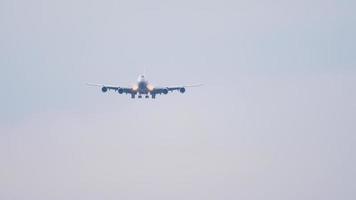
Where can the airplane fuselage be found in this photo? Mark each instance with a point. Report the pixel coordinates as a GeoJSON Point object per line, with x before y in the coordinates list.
{"type": "Point", "coordinates": [142, 86]}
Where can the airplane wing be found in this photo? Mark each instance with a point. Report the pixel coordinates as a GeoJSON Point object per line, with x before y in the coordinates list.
{"type": "Point", "coordinates": [172, 88]}
{"type": "Point", "coordinates": [165, 90]}
{"type": "Point", "coordinates": [105, 88]}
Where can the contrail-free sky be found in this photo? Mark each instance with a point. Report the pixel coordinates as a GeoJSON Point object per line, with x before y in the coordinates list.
{"type": "Point", "coordinates": [275, 119]}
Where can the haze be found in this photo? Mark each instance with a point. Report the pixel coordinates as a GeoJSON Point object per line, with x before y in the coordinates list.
{"type": "Point", "coordinates": [274, 120]}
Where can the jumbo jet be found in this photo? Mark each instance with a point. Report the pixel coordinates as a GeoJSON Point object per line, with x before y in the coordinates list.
{"type": "Point", "coordinates": [143, 88]}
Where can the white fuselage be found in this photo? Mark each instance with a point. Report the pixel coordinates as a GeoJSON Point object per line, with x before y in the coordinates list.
{"type": "Point", "coordinates": [142, 85]}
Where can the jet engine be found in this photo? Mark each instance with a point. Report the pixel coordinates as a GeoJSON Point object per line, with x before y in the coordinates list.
{"type": "Point", "coordinates": [182, 90]}
{"type": "Point", "coordinates": [121, 91]}
{"type": "Point", "coordinates": [104, 89]}
{"type": "Point", "coordinates": [165, 91]}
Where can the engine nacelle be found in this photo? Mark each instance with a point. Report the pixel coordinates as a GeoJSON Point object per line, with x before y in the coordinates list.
{"type": "Point", "coordinates": [121, 91]}
{"type": "Point", "coordinates": [104, 89]}
{"type": "Point", "coordinates": [182, 90]}
{"type": "Point", "coordinates": [165, 91]}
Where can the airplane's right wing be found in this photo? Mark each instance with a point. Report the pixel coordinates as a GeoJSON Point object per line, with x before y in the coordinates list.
{"type": "Point", "coordinates": [120, 90]}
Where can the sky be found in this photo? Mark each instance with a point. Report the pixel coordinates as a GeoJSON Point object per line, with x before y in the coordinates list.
{"type": "Point", "coordinates": [275, 118]}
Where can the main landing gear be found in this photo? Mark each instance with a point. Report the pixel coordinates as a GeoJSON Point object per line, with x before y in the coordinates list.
{"type": "Point", "coordinates": [147, 96]}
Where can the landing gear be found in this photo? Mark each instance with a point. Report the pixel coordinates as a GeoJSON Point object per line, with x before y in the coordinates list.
{"type": "Point", "coordinates": [147, 96]}
{"type": "Point", "coordinates": [139, 96]}
{"type": "Point", "coordinates": [133, 96]}
{"type": "Point", "coordinates": [153, 96]}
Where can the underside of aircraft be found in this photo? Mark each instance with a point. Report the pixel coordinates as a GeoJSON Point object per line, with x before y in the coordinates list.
{"type": "Point", "coordinates": [143, 88]}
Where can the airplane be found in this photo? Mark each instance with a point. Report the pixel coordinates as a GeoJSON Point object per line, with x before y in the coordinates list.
{"type": "Point", "coordinates": [143, 87]}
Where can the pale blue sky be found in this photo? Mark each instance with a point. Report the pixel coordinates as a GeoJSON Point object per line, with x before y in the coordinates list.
{"type": "Point", "coordinates": [275, 119]}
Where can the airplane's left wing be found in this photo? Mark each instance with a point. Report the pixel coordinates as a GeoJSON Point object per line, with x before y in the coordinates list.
{"type": "Point", "coordinates": [173, 88]}
{"type": "Point", "coordinates": [165, 90]}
